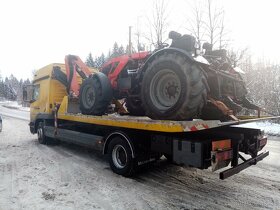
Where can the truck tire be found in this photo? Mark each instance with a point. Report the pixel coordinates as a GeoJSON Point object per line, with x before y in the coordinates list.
{"type": "Point", "coordinates": [120, 157]}
{"type": "Point", "coordinates": [95, 94]}
{"type": "Point", "coordinates": [1, 124]}
{"type": "Point", "coordinates": [168, 157]}
{"type": "Point", "coordinates": [173, 88]}
{"type": "Point", "coordinates": [42, 138]}
{"type": "Point", "coordinates": [134, 107]}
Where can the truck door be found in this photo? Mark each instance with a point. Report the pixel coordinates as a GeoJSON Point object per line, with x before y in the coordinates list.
{"type": "Point", "coordinates": [35, 102]}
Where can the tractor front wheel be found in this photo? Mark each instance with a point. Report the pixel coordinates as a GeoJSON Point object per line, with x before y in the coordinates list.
{"type": "Point", "coordinates": [95, 94]}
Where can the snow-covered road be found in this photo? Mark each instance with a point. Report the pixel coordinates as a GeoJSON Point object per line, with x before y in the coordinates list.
{"type": "Point", "coordinates": [13, 112]}
{"type": "Point", "coordinates": [34, 176]}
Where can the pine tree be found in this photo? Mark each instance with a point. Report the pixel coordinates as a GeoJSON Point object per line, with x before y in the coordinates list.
{"type": "Point", "coordinates": [115, 52]}
{"type": "Point", "coordinates": [89, 61]}
{"type": "Point", "coordinates": [99, 61]}
{"type": "Point", "coordinates": [121, 50]}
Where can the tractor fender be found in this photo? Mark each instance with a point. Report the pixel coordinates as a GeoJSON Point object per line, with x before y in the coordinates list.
{"type": "Point", "coordinates": [169, 50]}
{"type": "Point", "coordinates": [100, 85]}
{"type": "Point", "coordinates": [107, 90]}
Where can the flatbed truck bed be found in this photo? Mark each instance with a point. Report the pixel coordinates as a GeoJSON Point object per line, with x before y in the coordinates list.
{"type": "Point", "coordinates": [147, 124]}
{"type": "Point", "coordinates": [196, 143]}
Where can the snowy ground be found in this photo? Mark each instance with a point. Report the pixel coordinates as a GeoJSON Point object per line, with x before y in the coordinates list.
{"type": "Point", "coordinates": [8, 110]}
{"type": "Point", "coordinates": [34, 176]}
{"type": "Point", "coordinates": [269, 127]}
{"type": "Point", "coordinates": [14, 105]}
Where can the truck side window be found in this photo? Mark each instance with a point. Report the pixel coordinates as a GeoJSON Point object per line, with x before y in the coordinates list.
{"type": "Point", "coordinates": [36, 92]}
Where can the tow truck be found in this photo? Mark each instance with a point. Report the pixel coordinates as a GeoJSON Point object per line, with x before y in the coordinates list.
{"type": "Point", "coordinates": [132, 141]}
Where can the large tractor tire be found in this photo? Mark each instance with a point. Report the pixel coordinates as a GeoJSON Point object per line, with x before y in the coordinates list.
{"type": "Point", "coordinates": [95, 94]}
{"type": "Point", "coordinates": [173, 88]}
{"type": "Point", "coordinates": [134, 107]}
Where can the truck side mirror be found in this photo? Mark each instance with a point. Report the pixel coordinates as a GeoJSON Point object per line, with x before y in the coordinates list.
{"type": "Point", "coordinates": [27, 93]}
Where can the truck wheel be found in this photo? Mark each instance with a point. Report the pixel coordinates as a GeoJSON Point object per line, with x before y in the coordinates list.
{"type": "Point", "coordinates": [173, 88]}
{"type": "Point", "coordinates": [1, 125]}
{"type": "Point", "coordinates": [134, 107]}
{"type": "Point", "coordinates": [120, 157]}
{"type": "Point", "coordinates": [42, 139]}
{"type": "Point", "coordinates": [168, 157]}
{"type": "Point", "coordinates": [95, 94]}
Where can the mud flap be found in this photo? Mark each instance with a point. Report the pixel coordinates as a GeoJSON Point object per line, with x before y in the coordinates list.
{"type": "Point", "coordinates": [221, 154]}
{"type": "Point", "coordinates": [220, 159]}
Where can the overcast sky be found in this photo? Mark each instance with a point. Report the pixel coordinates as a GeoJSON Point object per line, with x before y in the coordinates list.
{"type": "Point", "coordinates": [35, 33]}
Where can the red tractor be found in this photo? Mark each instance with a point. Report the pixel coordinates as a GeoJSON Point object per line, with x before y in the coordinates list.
{"type": "Point", "coordinates": [172, 83]}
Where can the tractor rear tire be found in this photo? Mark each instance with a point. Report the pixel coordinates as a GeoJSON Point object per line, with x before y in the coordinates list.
{"type": "Point", "coordinates": [134, 107]}
{"type": "Point", "coordinates": [173, 88]}
{"type": "Point", "coordinates": [95, 94]}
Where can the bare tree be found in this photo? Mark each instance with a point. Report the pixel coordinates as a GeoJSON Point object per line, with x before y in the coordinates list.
{"type": "Point", "coordinates": [207, 23]}
{"type": "Point", "coordinates": [237, 56]}
{"type": "Point", "coordinates": [196, 20]}
{"type": "Point", "coordinates": [222, 35]}
{"type": "Point", "coordinates": [158, 24]}
{"type": "Point", "coordinates": [263, 86]}
{"type": "Point", "coordinates": [138, 34]}
{"type": "Point", "coordinates": [213, 22]}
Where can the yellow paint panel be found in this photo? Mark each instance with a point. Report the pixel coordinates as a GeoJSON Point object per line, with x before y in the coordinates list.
{"type": "Point", "coordinates": [244, 117]}
{"type": "Point", "coordinates": [63, 106]}
{"type": "Point", "coordinates": [57, 93]}
{"type": "Point", "coordinates": [46, 71]}
{"type": "Point", "coordinates": [140, 123]}
{"type": "Point", "coordinates": [118, 121]}
{"type": "Point", "coordinates": [134, 124]}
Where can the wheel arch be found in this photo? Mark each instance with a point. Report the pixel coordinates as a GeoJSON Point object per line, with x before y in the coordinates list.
{"type": "Point", "coordinates": [123, 136]}
{"type": "Point", "coordinates": [40, 118]}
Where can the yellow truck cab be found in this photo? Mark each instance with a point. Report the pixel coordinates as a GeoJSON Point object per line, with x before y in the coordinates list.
{"type": "Point", "coordinates": [130, 141]}
{"type": "Point", "coordinates": [46, 93]}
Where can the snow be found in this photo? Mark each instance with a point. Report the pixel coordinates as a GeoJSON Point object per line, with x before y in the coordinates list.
{"type": "Point", "coordinates": [35, 176]}
{"type": "Point", "coordinates": [270, 128]}
{"type": "Point", "coordinates": [14, 105]}
{"type": "Point", "coordinates": [12, 109]}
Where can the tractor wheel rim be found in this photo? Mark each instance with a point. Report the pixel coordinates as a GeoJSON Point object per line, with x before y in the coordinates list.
{"type": "Point", "coordinates": [89, 97]}
{"type": "Point", "coordinates": [119, 156]}
{"type": "Point", "coordinates": [165, 89]}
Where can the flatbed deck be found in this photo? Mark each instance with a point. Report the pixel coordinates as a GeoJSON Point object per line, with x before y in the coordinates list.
{"type": "Point", "coordinates": [142, 123]}
{"type": "Point", "coordinates": [145, 123]}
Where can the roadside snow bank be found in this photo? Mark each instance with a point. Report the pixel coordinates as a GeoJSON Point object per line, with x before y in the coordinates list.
{"type": "Point", "coordinates": [270, 128]}
{"type": "Point", "coordinates": [14, 105]}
